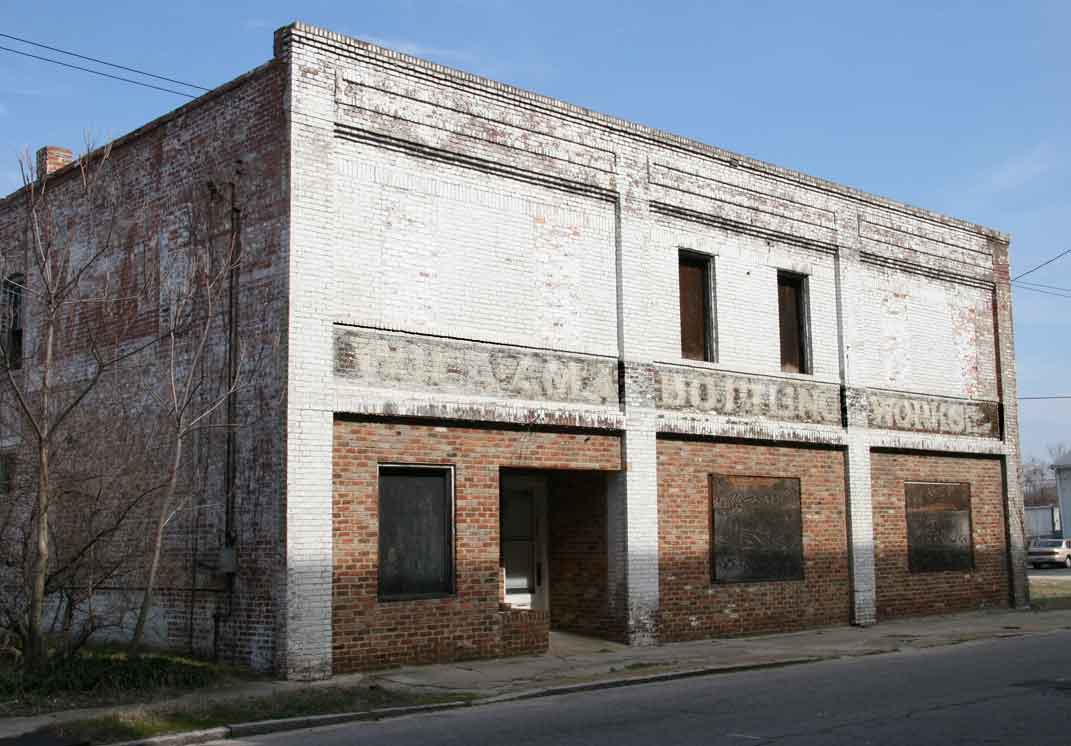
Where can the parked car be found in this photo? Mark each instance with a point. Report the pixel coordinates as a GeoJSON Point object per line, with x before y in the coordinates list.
{"type": "Point", "coordinates": [1050, 552]}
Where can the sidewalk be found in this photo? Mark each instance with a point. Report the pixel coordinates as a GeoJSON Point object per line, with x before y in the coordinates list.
{"type": "Point", "coordinates": [577, 663]}
{"type": "Point", "coordinates": [574, 662]}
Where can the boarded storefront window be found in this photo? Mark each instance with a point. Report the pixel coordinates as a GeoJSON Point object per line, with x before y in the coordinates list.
{"type": "Point", "coordinates": [758, 529]}
{"type": "Point", "coordinates": [416, 527]}
{"type": "Point", "coordinates": [938, 526]}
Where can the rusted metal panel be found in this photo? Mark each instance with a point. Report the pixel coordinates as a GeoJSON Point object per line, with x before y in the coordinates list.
{"type": "Point", "coordinates": [939, 526]}
{"type": "Point", "coordinates": [695, 307]}
{"type": "Point", "coordinates": [757, 529]}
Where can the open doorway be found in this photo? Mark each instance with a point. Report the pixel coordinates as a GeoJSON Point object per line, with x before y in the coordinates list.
{"type": "Point", "coordinates": [523, 523]}
{"type": "Point", "coordinates": [554, 550]}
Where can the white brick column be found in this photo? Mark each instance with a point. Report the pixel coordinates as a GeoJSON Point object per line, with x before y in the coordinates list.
{"type": "Point", "coordinates": [310, 418]}
{"type": "Point", "coordinates": [635, 496]}
{"type": "Point", "coordinates": [850, 296]}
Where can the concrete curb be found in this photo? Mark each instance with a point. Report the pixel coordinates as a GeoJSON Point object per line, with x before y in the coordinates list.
{"type": "Point", "coordinates": [263, 727]}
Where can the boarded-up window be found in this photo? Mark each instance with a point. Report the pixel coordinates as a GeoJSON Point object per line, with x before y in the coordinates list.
{"type": "Point", "coordinates": [938, 526]}
{"type": "Point", "coordinates": [416, 532]}
{"type": "Point", "coordinates": [792, 314]}
{"type": "Point", "coordinates": [758, 529]}
{"type": "Point", "coordinates": [696, 329]}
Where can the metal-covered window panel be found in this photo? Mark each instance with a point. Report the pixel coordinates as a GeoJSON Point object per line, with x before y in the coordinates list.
{"type": "Point", "coordinates": [695, 306]}
{"type": "Point", "coordinates": [416, 532]}
{"type": "Point", "coordinates": [939, 526]}
{"type": "Point", "coordinates": [757, 529]}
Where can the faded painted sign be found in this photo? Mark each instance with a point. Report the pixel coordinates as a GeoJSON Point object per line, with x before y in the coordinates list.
{"type": "Point", "coordinates": [888, 411]}
{"type": "Point", "coordinates": [419, 363]}
{"type": "Point", "coordinates": [731, 394]}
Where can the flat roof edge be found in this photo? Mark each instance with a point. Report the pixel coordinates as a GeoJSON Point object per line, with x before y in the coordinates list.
{"type": "Point", "coordinates": [298, 29]}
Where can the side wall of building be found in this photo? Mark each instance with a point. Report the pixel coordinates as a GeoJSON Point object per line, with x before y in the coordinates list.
{"type": "Point", "coordinates": [175, 177]}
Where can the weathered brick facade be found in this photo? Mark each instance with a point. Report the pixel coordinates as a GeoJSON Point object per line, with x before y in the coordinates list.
{"type": "Point", "coordinates": [449, 270]}
{"type": "Point", "coordinates": [368, 632]}
{"type": "Point", "coordinates": [693, 606]}
{"type": "Point", "coordinates": [904, 593]}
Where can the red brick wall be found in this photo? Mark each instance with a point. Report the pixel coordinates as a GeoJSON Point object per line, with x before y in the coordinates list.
{"type": "Point", "coordinates": [693, 607]}
{"type": "Point", "coordinates": [369, 633]}
{"type": "Point", "coordinates": [903, 593]}
{"type": "Point", "coordinates": [579, 601]}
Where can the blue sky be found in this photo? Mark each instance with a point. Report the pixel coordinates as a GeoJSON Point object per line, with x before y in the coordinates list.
{"type": "Point", "coordinates": [961, 107]}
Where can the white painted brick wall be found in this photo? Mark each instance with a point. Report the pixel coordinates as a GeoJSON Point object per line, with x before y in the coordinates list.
{"type": "Point", "coordinates": [431, 248]}
{"type": "Point", "coordinates": [924, 335]}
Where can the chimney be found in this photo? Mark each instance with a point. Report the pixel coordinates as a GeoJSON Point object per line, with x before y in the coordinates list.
{"type": "Point", "coordinates": [52, 158]}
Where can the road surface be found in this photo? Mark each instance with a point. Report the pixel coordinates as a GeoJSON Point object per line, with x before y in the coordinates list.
{"type": "Point", "coordinates": [1005, 691]}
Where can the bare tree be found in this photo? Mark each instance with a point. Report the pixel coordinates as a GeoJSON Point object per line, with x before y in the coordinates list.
{"type": "Point", "coordinates": [198, 302]}
{"type": "Point", "coordinates": [72, 283]}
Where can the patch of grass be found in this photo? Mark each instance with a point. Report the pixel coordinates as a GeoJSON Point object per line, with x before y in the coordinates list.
{"type": "Point", "coordinates": [1050, 594]}
{"type": "Point", "coordinates": [642, 665]}
{"type": "Point", "coordinates": [319, 700]}
{"type": "Point", "coordinates": [106, 676]}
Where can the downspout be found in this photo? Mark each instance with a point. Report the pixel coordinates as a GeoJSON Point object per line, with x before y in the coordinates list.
{"type": "Point", "coordinates": [230, 474]}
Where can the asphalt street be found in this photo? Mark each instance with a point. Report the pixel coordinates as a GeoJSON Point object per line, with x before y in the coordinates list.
{"type": "Point", "coordinates": [1006, 691]}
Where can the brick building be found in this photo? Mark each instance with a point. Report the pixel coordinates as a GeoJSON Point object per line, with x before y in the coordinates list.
{"type": "Point", "coordinates": [545, 368]}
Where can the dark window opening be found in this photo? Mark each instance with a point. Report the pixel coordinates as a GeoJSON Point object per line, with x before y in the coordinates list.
{"type": "Point", "coordinates": [696, 326]}
{"type": "Point", "coordinates": [416, 532]}
{"type": "Point", "coordinates": [11, 312]}
{"type": "Point", "coordinates": [7, 473]}
{"type": "Point", "coordinates": [757, 532]}
{"type": "Point", "coordinates": [938, 526]}
{"type": "Point", "coordinates": [792, 314]}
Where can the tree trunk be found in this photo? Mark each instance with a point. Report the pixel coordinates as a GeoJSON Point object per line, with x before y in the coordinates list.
{"type": "Point", "coordinates": [36, 644]}
{"type": "Point", "coordinates": [158, 542]}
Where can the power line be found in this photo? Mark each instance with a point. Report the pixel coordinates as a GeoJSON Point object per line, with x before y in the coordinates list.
{"type": "Point", "coordinates": [1035, 269]}
{"type": "Point", "coordinates": [1041, 285]}
{"type": "Point", "coordinates": [1043, 292]}
{"type": "Point", "coordinates": [103, 62]}
{"type": "Point", "coordinates": [1065, 396]}
{"type": "Point", "coordinates": [98, 72]}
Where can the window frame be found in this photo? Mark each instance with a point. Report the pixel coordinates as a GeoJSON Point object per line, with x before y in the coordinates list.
{"type": "Point", "coordinates": [11, 301]}
{"type": "Point", "coordinates": [803, 318]}
{"type": "Point", "coordinates": [451, 526]}
{"type": "Point", "coordinates": [710, 323]}
{"type": "Point", "coordinates": [8, 463]}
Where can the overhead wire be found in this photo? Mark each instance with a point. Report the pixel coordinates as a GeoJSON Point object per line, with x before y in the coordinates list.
{"type": "Point", "coordinates": [1043, 264]}
{"type": "Point", "coordinates": [103, 62]}
{"type": "Point", "coordinates": [97, 72]}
